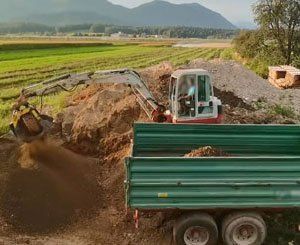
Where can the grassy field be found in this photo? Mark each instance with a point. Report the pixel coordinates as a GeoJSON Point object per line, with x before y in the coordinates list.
{"type": "Point", "coordinates": [22, 64]}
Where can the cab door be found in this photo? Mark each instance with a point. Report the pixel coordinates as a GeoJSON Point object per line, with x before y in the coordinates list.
{"type": "Point", "coordinates": [172, 96]}
{"type": "Point", "coordinates": [205, 105]}
{"type": "Point", "coordinates": [186, 98]}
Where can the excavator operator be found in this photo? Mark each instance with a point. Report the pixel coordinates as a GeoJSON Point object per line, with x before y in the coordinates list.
{"type": "Point", "coordinates": [187, 98]}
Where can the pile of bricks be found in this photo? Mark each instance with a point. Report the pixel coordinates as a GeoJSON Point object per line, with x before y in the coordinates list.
{"type": "Point", "coordinates": [284, 77]}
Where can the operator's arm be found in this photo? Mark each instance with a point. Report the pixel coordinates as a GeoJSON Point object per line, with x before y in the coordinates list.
{"type": "Point", "coordinates": [192, 91]}
{"type": "Point", "coordinates": [190, 94]}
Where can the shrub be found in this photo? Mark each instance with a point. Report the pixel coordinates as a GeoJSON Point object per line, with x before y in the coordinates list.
{"type": "Point", "coordinates": [249, 43]}
{"type": "Point", "coordinates": [284, 111]}
{"type": "Point", "coordinates": [296, 61]}
{"type": "Point", "coordinates": [259, 52]}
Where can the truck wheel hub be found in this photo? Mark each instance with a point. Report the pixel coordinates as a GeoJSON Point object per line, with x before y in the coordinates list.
{"type": "Point", "coordinates": [196, 235]}
{"type": "Point", "coordinates": [245, 234]}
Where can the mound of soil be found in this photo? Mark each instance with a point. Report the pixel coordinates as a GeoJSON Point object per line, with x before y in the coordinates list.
{"type": "Point", "coordinates": [158, 80]}
{"type": "Point", "coordinates": [229, 98]}
{"type": "Point", "coordinates": [104, 111]}
{"type": "Point", "coordinates": [207, 151]}
{"type": "Point", "coordinates": [48, 189]}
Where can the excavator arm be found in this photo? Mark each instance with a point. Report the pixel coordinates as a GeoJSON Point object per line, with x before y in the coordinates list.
{"type": "Point", "coordinates": [145, 98]}
{"type": "Point", "coordinates": [65, 82]}
{"type": "Point", "coordinates": [28, 124]}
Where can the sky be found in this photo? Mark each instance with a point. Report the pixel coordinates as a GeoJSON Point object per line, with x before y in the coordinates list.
{"type": "Point", "coordinates": [236, 11]}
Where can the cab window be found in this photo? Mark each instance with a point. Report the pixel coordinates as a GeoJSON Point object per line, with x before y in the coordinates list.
{"type": "Point", "coordinates": [204, 89]}
{"type": "Point", "coordinates": [187, 96]}
{"type": "Point", "coordinates": [172, 89]}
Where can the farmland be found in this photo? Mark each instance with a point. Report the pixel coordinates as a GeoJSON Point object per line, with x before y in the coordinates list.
{"type": "Point", "coordinates": [22, 64]}
{"type": "Point", "coordinates": [247, 99]}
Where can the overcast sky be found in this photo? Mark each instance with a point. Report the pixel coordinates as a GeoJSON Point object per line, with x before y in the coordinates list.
{"type": "Point", "coordinates": [234, 10]}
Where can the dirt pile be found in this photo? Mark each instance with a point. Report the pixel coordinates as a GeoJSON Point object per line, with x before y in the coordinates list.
{"type": "Point", "coordinates": [207, 151]}
{"type": "Point", "coordinates": [102, 114]}
{"type": "Point", "coordinates": [234, 77]}
{"type": "Point", "coordinates": [158, 80]}
{"type": "Point", "coordinates": [49, 189]}
{"type": "Point", "coordinates": [96, 114]}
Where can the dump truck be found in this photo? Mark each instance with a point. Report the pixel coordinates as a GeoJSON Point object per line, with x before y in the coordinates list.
{"type": "Point", "coordinates": [218, 198]}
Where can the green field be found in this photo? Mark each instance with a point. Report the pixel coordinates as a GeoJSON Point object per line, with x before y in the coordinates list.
{"type": "Point", "coordinates": [25, 64]}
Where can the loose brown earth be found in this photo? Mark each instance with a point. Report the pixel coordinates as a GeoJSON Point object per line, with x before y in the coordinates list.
{"type": "Point", "coordinates": [207, 151]}
{"type": "Point", "coordinates": [51, 195]}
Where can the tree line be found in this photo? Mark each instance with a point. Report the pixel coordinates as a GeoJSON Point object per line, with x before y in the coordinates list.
{"type": "Point", "coordinates": [105, 29]}
{"type": "Point", "coordinates": [172, 32]}
{"type": "Point", "coordinates": [277, 39]}
{"type": "Point", "coordinates": [23, 27]}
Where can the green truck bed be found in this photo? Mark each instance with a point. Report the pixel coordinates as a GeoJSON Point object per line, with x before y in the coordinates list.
{"type": "Point", "coordinates": [263, 170]}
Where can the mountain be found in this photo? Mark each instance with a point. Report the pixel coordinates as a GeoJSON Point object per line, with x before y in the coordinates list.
{"type": "Point", "coordinates": [168, 14]}
{"type": "Point", "coordinates": [70, 18]}
{"type": "Point", "coordinates": [156, 13]}
{"type": "Point", "coordinates": [246, 25]}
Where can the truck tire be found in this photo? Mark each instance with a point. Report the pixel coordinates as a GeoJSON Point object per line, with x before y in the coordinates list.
{"type": "Point", "coordinates": [195, 229]}
{"type": "Point", "coordinates": [244, 228]}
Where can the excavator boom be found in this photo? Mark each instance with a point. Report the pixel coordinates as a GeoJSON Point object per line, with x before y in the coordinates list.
{"type": "Point", "coordinates": [69, 82]}
{"type": "Point", "coordinates": [144, 96]}
{"type": "Point", "coordinates": [28, 123]}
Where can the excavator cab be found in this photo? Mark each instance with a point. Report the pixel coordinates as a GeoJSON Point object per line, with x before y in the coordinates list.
{"type": "Point", "coordinates": [192, 98]}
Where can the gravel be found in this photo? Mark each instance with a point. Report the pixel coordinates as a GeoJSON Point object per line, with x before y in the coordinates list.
{"type": "Point", "coordinates": [245, 84]}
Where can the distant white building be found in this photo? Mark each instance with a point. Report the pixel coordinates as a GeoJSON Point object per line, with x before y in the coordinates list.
{"type": "Point", "coordinates": [118, 35]}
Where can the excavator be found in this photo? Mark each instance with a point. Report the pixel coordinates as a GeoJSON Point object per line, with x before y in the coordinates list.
{"type": "Point", "coordinates": [191, 99]}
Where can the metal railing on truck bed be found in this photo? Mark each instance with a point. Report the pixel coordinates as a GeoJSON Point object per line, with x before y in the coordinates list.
{"type": "Point", "coordinates": [262, 172]}
{"type": "Point", "coordinates": [152, 139]}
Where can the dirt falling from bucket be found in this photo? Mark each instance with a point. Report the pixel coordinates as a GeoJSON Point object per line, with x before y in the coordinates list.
{"type": "Point", "coordinates": [51, 187]}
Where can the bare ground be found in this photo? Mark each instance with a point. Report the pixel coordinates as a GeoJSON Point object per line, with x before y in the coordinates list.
{"type": "Point", "coordinates": [98, 123]}
{"type": "Point", "coordinates": [204, 45]}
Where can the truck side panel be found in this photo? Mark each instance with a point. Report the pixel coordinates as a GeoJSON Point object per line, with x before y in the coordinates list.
{"type": "Point", "coordinates": [223, 182]}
